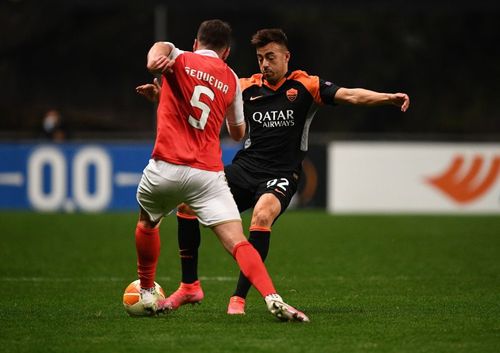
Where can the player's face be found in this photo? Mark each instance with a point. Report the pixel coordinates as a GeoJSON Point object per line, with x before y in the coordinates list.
{"type": "Point", "coordinates": [273, 61]}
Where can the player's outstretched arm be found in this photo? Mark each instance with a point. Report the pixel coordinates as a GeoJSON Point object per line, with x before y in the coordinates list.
{"type": "Point", "coordinates": [158, 58]}
{"type": "Point", "coordinates": [151, 91]}
{"type": "Point", "coordinates": [361, 96]}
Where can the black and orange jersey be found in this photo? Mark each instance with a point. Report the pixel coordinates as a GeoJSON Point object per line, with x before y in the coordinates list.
{"type": "Point", "coordinates": [278, 119]}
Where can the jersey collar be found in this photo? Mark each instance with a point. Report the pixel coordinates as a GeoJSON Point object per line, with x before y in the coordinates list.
{"type": "Point", "coordinates": [278, 85]}
{"type": "Point", "coordinates": [207, 52]}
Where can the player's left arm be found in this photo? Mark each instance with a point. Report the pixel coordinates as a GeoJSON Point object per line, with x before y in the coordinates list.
{"type": "Point", "coordinates": [361, 96]}
{"type": "Point", "coordinates": [151, 91]}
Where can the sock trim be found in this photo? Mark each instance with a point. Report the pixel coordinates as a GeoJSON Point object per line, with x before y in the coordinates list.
{"type": "Point", "coordinates": [185, 215]}
{"type": "Point", "coordinates": [240, 244]}
{"type": "Point", "coordinates": [147, 231]}
{"type": "Point", "coordinates": [260, 229]}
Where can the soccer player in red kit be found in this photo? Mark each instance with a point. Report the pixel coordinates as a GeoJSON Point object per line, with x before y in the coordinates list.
{"type": "Point", "coordinates": [198, 91]}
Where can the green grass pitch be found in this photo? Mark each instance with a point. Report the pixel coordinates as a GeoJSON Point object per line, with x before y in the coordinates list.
{"type": "Point", "coordinates": [368, 283]}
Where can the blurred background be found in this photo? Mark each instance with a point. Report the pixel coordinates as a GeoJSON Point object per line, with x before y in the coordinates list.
{"type": "Point", "coordinates": [84, 59]}
{"type": "Point", "coordinates": [68, 72]}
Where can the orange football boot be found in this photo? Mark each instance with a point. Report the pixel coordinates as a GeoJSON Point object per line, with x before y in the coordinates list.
{"type": "Point", "coordinates": [236, 306]}
{"type": "Point", "coordinates": [186, 294]}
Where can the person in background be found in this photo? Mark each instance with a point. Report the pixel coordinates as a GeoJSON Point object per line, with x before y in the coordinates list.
{"type": "Point", "coordinates": [53, 126]}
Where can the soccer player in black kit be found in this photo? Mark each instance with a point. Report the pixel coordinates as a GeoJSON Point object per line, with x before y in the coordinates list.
{"type": "Point", "coordinates": [279, 107]}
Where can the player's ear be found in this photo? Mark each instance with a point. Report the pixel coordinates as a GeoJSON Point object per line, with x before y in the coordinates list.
{"type": "Point", "coordinates": [195, 45]}
{"type": "Point", "coordinates": [287, 56]}
{"type": "Point", "coordinates": [225, 53]}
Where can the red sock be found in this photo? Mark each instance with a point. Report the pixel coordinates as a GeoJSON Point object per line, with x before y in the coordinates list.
{"type": "Point", "coordinates": [147, 244]}
{"type": "Point", "coordinates": [253, 268]}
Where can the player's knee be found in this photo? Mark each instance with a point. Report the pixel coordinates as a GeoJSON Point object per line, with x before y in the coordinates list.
{"type": "Point", "coordinates": [261, 218]}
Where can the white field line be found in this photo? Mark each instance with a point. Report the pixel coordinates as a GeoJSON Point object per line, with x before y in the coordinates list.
{"type": "Point", "coordinates": [332, 278]}
{"type": "Point", "coordinates": [103, 279]}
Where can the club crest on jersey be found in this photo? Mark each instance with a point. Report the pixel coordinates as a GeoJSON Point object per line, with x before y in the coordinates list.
{"type": "Point", "coordinates": [292, 94]}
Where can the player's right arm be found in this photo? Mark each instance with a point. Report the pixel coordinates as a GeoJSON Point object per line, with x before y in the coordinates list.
{"type": "Point", "coordinates": [161, 57]}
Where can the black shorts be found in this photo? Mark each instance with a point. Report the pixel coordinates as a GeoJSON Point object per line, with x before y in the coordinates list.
{"type": "Point", "coordinates": [247, 187]}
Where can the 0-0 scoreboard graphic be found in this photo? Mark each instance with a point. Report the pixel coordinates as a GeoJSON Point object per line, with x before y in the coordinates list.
{"type": "Point", "coordinates": [74, 177]}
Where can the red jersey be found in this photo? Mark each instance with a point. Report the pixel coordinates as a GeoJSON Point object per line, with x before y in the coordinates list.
{"type": "Point", "coordinates": [194, 100]}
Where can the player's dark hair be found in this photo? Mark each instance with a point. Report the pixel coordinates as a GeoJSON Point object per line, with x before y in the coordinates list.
{"type": "Point", "coordinates": [214, 34]}
{"type": "Point", "coordinates": [269, 35]}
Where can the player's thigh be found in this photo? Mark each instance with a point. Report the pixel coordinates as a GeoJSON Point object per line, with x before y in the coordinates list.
{"type": "Point", "coordinates": [208, 194]}
{"type": "Point", "coordinates": [282, 188]}
{"type": "Point", "coordinates": [185, 211]}
{"type": "Point", "coordinates": [266, 210]}
{"type": "Point", "coordinates": [243, 186]}
{"type": "Point", "coordinates": [244, 198]}
{"type": "Point", "coordinates": [158, 191]}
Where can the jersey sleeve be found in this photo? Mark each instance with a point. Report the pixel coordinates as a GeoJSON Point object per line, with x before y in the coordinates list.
{"type": "Point", "coordinates": [175, 51]}
{"type": "Point", "coordinates": [234, 115]}
{"type": "Point", "coordinates": [327, 91]}
{"type": "Point", "coordinates": [323, 92]}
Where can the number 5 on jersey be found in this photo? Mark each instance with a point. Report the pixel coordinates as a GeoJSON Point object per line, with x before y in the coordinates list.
{"type": "Point", "coordinates": [205, 109]}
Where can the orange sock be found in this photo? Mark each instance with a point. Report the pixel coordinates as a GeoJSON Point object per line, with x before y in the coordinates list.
{"type": "Point", "coordinates": [147, 244]}
{"type": "Point", "coordinates": [253, 268]}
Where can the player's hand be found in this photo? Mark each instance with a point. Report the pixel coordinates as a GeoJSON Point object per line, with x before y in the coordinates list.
{"type": "Point", "coordinates": [162, 64]}
{"type": "Point", "coordinates": [151, 91]}
{"type": "Point", "coordinates": [401, 100]}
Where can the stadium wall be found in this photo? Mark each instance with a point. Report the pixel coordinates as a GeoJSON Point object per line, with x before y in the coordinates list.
{"type": "Point", "coordinates": [342, 177]}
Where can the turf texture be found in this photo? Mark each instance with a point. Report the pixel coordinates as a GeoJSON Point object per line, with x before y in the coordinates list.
{"type": "Point", "coordinates": [368, 283]}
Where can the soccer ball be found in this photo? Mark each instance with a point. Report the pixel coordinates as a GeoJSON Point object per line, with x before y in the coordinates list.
{"type": "Point", "coordinates": [132, 299]}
